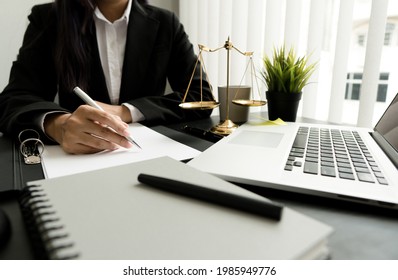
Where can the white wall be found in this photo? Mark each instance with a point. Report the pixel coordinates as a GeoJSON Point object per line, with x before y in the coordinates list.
{"type": "Point", "coordinates": [13, 22]}
{"type": "Point", "coordinates": [171, 5]}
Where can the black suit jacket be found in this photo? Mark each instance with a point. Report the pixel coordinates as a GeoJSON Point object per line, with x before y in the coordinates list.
{"type": "Point", "coordinates": [157, 49]}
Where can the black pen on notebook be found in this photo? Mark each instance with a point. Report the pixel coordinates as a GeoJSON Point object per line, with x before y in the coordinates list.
{"type": "Point", "coordinates": [255, 206]}
{"type": "Point", "coordinates": [87, 99]}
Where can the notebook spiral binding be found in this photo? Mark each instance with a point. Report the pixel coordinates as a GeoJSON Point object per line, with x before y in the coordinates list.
{"type": "Point", "coordinates": [48, 236]}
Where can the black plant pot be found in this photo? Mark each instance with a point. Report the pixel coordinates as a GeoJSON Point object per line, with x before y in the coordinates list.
{"type": "Point", "coordinates": [283, 105]}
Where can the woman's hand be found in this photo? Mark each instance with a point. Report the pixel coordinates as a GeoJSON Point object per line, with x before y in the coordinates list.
{"type": "Point", "coordinates": [118, 110]}
{"type": "Point", "coordinates": [87, 130]}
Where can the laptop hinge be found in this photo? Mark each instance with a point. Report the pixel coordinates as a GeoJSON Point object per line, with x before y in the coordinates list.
{"type": "Point", "coordinates": [386, 147]}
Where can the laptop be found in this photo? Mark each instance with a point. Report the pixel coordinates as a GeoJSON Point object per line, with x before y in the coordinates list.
{"type": "Point", "coordinates": [348, 163]}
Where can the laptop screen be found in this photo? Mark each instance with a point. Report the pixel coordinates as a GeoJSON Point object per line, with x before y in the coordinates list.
{"type": "Point", "coordinates": [388, 124]}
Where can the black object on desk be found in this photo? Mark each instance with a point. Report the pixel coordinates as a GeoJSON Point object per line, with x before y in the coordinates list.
{"type": "Point", "coordinates": [5, 228]}
{"type": "Point", "coordinates": [204, 134]}
{"type": "Point", "coordinates": [259, 207]}
{"type": "Point", "coordinates": [14, 173]}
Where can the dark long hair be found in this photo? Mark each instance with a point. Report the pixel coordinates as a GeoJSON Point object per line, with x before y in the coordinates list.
{"type": "Point", "coordinates": [75, 25]}
{"type": "Point", "coordinates": [72, 54]}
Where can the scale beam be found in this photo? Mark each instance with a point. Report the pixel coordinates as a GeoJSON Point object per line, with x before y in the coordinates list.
{"type": "Point", "coordinates": [226, 127]}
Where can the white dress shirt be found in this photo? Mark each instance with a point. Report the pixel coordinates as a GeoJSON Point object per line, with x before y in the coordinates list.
{"type": "Point", "coordinates": [111, 39]}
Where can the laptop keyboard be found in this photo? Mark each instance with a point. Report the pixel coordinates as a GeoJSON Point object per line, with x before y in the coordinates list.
{"type": "Point", "coordinates": [333, 153]}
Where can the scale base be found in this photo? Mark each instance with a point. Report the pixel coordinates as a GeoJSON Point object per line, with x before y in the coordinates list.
{"type": "Point", "coordinates": [224, 128]}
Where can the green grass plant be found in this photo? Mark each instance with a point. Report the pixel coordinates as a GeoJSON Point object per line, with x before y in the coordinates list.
{"type": "Point", "coordinates": [285, 71]}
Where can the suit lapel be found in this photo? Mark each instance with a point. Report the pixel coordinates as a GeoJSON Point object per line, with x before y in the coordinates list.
{"type": "Point", "coordinates": [141, 35]}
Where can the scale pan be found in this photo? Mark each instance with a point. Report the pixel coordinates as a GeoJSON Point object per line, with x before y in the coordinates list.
{"type": "Point", "coordinates": [199, 105]}
{"type": "Point", "coordinates": [247, 102]}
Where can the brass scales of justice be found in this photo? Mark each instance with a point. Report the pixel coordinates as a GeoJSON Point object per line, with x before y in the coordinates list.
{"type": "Point", "coordinates": [225, 127]}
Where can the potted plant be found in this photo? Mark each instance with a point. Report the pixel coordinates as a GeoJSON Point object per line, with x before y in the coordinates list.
{"type": "Point", "coordinates": [285, 76]}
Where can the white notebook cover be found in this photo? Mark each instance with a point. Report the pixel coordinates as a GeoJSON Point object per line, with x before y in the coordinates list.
{"type": "Point", "coordinates": [108, 214]}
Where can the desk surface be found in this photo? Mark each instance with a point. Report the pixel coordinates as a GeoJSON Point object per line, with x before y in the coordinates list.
{"type": "Point", "coordinates": [361, 232]}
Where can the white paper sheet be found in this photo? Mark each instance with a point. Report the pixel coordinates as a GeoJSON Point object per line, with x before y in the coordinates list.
{"type": "Point", "coordinates": [57, 163]}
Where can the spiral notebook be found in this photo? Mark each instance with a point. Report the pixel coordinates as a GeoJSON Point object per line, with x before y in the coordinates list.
{"type": "Point", "coordinates": [107, 214]}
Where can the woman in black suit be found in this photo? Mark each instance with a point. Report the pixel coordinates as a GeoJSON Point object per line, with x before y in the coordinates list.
{"type": "Point", "coordinates": [121, 52]}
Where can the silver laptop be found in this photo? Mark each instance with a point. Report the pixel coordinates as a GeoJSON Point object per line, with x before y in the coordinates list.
{"type": "Point", "coordinates": [348, 163]}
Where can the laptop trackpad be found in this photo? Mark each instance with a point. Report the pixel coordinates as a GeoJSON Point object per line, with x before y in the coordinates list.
{"type": "Point", "coordinates": [256, 138]}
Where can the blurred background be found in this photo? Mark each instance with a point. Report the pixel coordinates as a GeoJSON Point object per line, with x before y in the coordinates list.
{"type": "Point", "coordinates": [355, 43]}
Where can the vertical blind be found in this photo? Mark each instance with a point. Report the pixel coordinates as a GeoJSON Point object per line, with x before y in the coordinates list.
{"type": "Point", "coordinates": [318, 28]}
{"type": "Point", "coordinates": [377, 23]}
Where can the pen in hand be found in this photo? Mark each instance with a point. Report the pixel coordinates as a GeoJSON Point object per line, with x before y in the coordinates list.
{"type": "Point", "coordinates": [255, 206]}
{"type": "Point", "coordinates": [87, 99]}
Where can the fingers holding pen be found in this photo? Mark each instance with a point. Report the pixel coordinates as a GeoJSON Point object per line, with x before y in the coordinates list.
{"type": "Point", "coordinates": [87, 130]}
{"type": "Point", "coordinates": [106, 119]}
{"type": "Point", "coordinates": [105, 126]}
{"type": "Point", "coordinates": [109, 119]}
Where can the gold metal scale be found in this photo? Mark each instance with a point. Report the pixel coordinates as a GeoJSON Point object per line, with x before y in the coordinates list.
{"type": "Point", "coordinates": [225, 127]}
